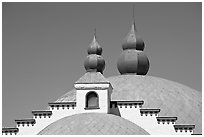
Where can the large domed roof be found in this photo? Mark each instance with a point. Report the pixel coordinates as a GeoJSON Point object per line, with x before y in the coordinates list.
{"type": "Point", "coordinates": [172, 98]}
{"type": "Point", "coordinates": [92, 124]}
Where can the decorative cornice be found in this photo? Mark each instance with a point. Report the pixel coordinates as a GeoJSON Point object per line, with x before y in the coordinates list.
{"type": "Point", "coordinates": [166, 119]}
{"type": "Point", "coordinates": [126, 103]}
{"type": "Point", "coordinates": [91, 88]}
{"type": "Point", "coordinates": [25, 121]}
{"type": "Point", "coordinates": [92, 83]}
{"type": "Point", "coordinates": [62, 104]}
{"type": "Point", "coordinates": [131, 102]}
{"type": "Point", "coordinates": [149, 111]}
{"type": "Point", "coordinates": [184, 127]}
{"type": "Point", "coordinates": [10, 130]}
{"type": "Point", "coordinates": [41, 113]}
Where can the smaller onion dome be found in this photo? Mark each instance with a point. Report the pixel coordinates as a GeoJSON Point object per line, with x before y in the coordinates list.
{"type": "Point", "coordinates": [94, 61]}
{"type": "Point", "coordinates": [133, 40]}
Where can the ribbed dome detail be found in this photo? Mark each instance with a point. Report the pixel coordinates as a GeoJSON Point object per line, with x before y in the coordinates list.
{"type": "Point", "coordinates": [94, 62]}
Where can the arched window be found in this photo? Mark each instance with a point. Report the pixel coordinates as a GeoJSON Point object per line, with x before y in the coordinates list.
{"type": "Point", "coordinates": [92, 100]}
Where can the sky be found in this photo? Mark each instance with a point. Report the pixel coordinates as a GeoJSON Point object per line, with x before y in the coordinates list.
{"type": "Point", "coordinates": [44, 46]}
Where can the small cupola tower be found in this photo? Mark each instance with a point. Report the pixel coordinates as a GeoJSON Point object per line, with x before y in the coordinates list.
{"type": "Point", "coordinates": [93, 90]}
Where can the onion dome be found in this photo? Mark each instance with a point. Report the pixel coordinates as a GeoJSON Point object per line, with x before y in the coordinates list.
{"type": "Point", "coordinates": [133, 59]}
{"type": "Point", "coordinates": [94, 62]}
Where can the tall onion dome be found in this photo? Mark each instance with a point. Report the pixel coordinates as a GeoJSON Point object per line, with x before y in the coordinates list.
{"type": "Point", "coordinates": [94, 62]}
{"type": "Point", "coordinates": [133, 59]}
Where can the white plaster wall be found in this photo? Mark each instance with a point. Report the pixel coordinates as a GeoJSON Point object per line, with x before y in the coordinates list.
{"type": "Point", "coordinates": [61, 113]}
{"type": "Point", "coordinates": [42, 122]}
{"type": "Point", "coordinates": [26, 130]}
{"type": "Point", "coordinates": [164, 129]}
{"type": "Point", "coordinates": [148, 123]}
{"type": "Point", "coordinates": [133, 114]}
{"type": "Point", "coordinates": [103, 101]}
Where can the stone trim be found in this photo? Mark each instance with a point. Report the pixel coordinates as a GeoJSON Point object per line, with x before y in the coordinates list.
{"type": "Point", "coordinates": [184, 128]}
{"type": "Point", "coordinates": [63, 105]}
{"type": "Point", "coordinates": [149, 111]}
{"type": "Point", "coordinates": [166, 119]}
{"type": "Point", "coordinates": [126, 103]}
{"type": "Point", "coordinates": [25, 121]}
{"type": "Point", "coordinates": [10, 130]}
{"type": "Point", "coordinates": [41, 113]}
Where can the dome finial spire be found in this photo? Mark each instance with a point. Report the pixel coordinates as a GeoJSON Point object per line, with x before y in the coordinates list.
{"type": "Point", "coordinates": [133, 14]}
{"type": "Point", "coordinates": [133, 29]}
{"type": "Point", "coordinates": [95, 32]}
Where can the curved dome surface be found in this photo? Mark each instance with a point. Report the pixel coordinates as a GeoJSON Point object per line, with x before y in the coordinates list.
{"type": "Point", "coordinates": [92, 124]}
{"type": "Point", "coordinates": [172, 98]}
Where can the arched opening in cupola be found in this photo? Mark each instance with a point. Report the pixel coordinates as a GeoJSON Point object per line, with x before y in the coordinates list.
{"type": "Point", "coordinates": [92, 100]}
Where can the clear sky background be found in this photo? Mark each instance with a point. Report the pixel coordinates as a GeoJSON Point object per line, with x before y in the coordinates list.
{"type": "Point", "coordinates": [45, 45]}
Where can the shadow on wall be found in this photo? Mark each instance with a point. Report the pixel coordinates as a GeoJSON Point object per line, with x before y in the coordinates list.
{"type": "Point", "coordinates": [114, 110]}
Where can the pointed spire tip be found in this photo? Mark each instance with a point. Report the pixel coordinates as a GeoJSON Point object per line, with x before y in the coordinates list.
{"type": "Point", "coordinates": [95, 33]}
